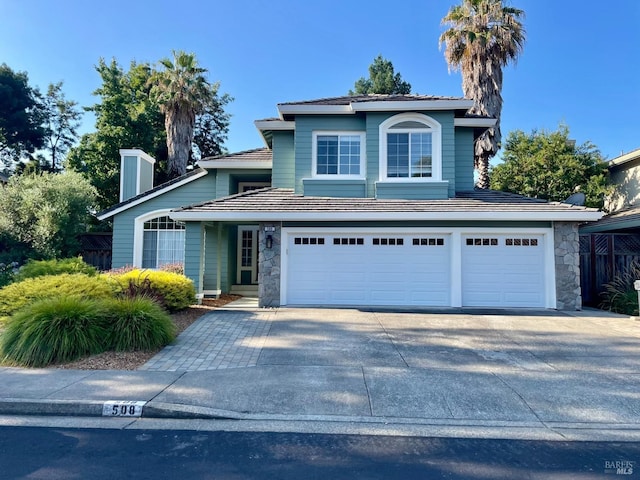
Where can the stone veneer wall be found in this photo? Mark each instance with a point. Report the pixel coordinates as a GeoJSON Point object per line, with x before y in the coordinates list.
{"type": "Point", "coordinates": [269, 266]}
{"type": "Point", "coordinates": [567, 260]}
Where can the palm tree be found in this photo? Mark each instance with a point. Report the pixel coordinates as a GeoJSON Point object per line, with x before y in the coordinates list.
{"type": "Point", "coordinates": [484, 36]}
{"type": "Point", "coordinates": [182, 92]}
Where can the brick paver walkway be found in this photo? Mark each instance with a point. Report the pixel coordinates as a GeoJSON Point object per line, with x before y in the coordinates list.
{"type": "Point", "coordinates": [220, 339]}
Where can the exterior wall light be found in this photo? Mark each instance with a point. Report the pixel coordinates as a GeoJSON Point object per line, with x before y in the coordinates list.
{"type": "Point", "coordinates": [269, 241]}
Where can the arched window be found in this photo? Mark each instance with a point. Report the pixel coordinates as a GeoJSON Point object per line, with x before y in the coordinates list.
{"type": "Point", "coordinates": [162, 242]}
{"type": "Point", "coordinates": [410, 148]}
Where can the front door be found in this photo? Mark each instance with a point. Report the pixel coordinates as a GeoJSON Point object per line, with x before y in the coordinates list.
{"type": "Point", "coordinates": [247, 255]}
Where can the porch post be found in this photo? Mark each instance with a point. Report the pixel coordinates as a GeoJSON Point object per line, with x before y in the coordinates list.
{"type": "Point", "coordinates": [218, 257]}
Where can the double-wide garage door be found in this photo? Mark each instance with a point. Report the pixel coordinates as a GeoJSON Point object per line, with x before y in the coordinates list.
{"type": "Point", "coordinates": [414, 269]}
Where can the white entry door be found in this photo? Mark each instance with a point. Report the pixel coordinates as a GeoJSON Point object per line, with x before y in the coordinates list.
{"type": "Point", "coordinates": [247, 260]}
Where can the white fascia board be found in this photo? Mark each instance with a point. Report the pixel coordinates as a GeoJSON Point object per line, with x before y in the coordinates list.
{"type": "Point", "coordinates": [627, 157]}
{"type": "Point", "coordinates": [474, 122]}
{"type": "Point", "coordinates": [231, 216]}
{"type": "Point", "coordinates": [315, 110]}
{"type": "Point", "coordinates": [412, 105]}
{"type": "Point", "coordinates": [136, 152]}
{"type": "Point", "coordinates": [243, 165]}
{"type": "Point", "coordinates": [152, 195]}
{"type": "Point", "coordinates": [274, 125]}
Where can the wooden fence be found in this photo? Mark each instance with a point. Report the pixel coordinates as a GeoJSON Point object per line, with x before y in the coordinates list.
{"type": "Point", "coordinates": [96, 249]}
{"type": "Point", "coordinates": [602, 257]}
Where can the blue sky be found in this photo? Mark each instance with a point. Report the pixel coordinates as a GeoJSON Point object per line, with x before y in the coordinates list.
{"type": "Point", "coordinates": [580, 64]}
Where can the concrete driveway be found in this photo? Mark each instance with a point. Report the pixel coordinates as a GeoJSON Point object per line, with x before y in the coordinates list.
{"type": "Point", "coordinates": [514, 374]}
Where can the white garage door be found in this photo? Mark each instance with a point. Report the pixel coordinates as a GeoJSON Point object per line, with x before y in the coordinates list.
{"type": "Point", "coordinates": [333, 268]}
{"type": "Point", "coordinates": [503, 270]}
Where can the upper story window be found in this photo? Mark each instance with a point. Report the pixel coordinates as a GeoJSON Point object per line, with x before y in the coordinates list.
{"type": "Point", "coordinates": [338, 154]}
{"type": "Point", "coordinates": [410, 148]}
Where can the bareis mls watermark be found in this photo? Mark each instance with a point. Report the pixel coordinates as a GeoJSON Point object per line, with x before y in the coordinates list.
{"type": "Point", "coordinates": [619, 467]}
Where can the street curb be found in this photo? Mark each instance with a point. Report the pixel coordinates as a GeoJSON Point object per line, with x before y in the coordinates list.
{"type": "Point", "coordinates": [46, 407]}
{"type": "Point", "coordinates": [187, 412]}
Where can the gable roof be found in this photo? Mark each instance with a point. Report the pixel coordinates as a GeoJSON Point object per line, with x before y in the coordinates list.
{"type": "Point", "coordinates": [279, 204]}
{"type": "Point", "coordinates": [149, 194]}
{"type": "Point", "coordinates": [350, 104]}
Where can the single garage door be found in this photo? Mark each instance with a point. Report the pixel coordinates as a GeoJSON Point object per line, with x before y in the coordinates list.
{"type": "Point", "coordinates": [503, 270]}
{"type": "Point", "coordinates": [333, 268]}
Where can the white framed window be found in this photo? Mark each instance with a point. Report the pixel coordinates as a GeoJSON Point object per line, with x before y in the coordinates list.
{"type": "Point", "coordinates": [410, 148]}
{"type": "Point", "coordinates": [158, 240]}
{"type": "Point", "coordinates": [338, 154]}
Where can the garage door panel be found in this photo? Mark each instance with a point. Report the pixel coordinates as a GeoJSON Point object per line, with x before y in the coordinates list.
{"type": "Point", "coordinates": [503, 270]}
{"type": "Point", "coordinates": [381, 269]}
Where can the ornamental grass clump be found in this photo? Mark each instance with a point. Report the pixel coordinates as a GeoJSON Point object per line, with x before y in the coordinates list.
{"type": "Point", "coordinates": [137, 323]}
{"type": "Point", "coordinates": [619, 294]}
{"type": "Point", "coordinates": [54, 330]}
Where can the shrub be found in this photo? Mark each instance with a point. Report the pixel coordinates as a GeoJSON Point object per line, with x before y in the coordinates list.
{"type": "Point", "coordinates": [177, 291]}
{"type": "Point", "coordinates": [7, 273]}
{"type": "Point", "coordinates": [176, 267]}
{"type": "Point", "coordinates": [619, 294]}
{"type": "Point", "coordinates": [39, 268]}
{"type": "Point", "coordinates": [54, 330]}
{"type": "Point", "coordinates": [137, 323]}
{"type": "Point", "coordinates": [17, 295]}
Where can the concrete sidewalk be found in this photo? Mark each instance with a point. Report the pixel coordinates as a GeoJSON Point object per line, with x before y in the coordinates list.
{"type": "Point", "coordinates": [535, 374]}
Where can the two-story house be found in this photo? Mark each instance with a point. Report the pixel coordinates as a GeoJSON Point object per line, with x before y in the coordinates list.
{"type": "Point", "coordinates": [358, 200]}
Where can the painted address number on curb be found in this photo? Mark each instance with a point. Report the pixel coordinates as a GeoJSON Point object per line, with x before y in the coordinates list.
{"type": "Point", "coordinates": [122, 408]}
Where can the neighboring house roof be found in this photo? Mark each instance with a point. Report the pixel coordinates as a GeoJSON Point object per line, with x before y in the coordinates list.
{"type": "Point", "coordinates": [255, 158]}
{"type": "Point", "coordinates": [276, 204]}
{"type": "Point", "coordinates": [622, 220]}
{"type": "Point", "coordinates": [371, 97]}
{"type": "Point", "coordinates": [625, 158]}
{"type": "Point", "coordinates": [154, 192]}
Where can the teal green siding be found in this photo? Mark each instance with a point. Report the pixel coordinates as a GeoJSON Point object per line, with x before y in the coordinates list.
{"type": "Point", "coordinates": [464, 159]}
{"type": "Point", "coordinates": [211, 258]}
{"type": "Point", "coordinates": [146, 176]}
{"type": "Point", "coordinates": [284, 175]}
{"type": "Point", "coordinates": [129, 177]}
{"type": "Point", "coordinates": [314, 187]}
{"type": "Point", "coordinates": [197, 191]}
{"type": "Point", "coordinates": [412, 190]}
{"type": "Point", "coordinates": [193, 253]}
{"type": "Point", "coordinates": [305, 126]}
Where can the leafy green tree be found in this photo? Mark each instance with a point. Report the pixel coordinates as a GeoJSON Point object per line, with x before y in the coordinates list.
{"type": "Point", "coordinates": [182, 91]}
{"type": "Point", "coordinates": [42, 214]}
{"type": "Point", "coordinates": [21, 117]}
{"type": "Point", "coordinates": [483, 37]}
{"type": "Point", "coordinates": [382, 79]}
{"type": "Point", "coordinates": [126, 117]}
{"type": "Point", "coordinates": [212, 126]}
{"type": "Point", "coordinates": [549, 165]}
{"type": "Point", "coordinates": [62, 119]}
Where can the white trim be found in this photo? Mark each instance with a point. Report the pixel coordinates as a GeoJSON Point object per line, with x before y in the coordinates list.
{"type": "Point", "coordinates": [474, 122]}
{"type": "Point", "coordinates": [138, 233]}
{"type": "Point", "coordinates": [136, 152]}
{"type": "Point", "coordinates": [239, 164]}
{"type": "Point", "coordinates": [432, 126]}
{"type": "Point", "coordinates": [627, 157]}
{"type": "Point", "coordinates": [263, 125]}
{"type": "Point", "coordinates": [314, 154]}
{"type": "Point", "coordinates": [314, 109]}
{"type": "Point", "coordinates": [455, 234]}
{"type": "Point", "coordinates": [120, 197]}
{"type": "Point", "coordinates": [152, 195]}
{"type": "Point", "coordinates": [411, 105]}
{"type": "Point", "coordinates": [486, 215]}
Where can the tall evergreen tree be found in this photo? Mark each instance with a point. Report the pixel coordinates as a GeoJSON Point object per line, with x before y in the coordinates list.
{"type": "Point", "coordinates": [382, 79]}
